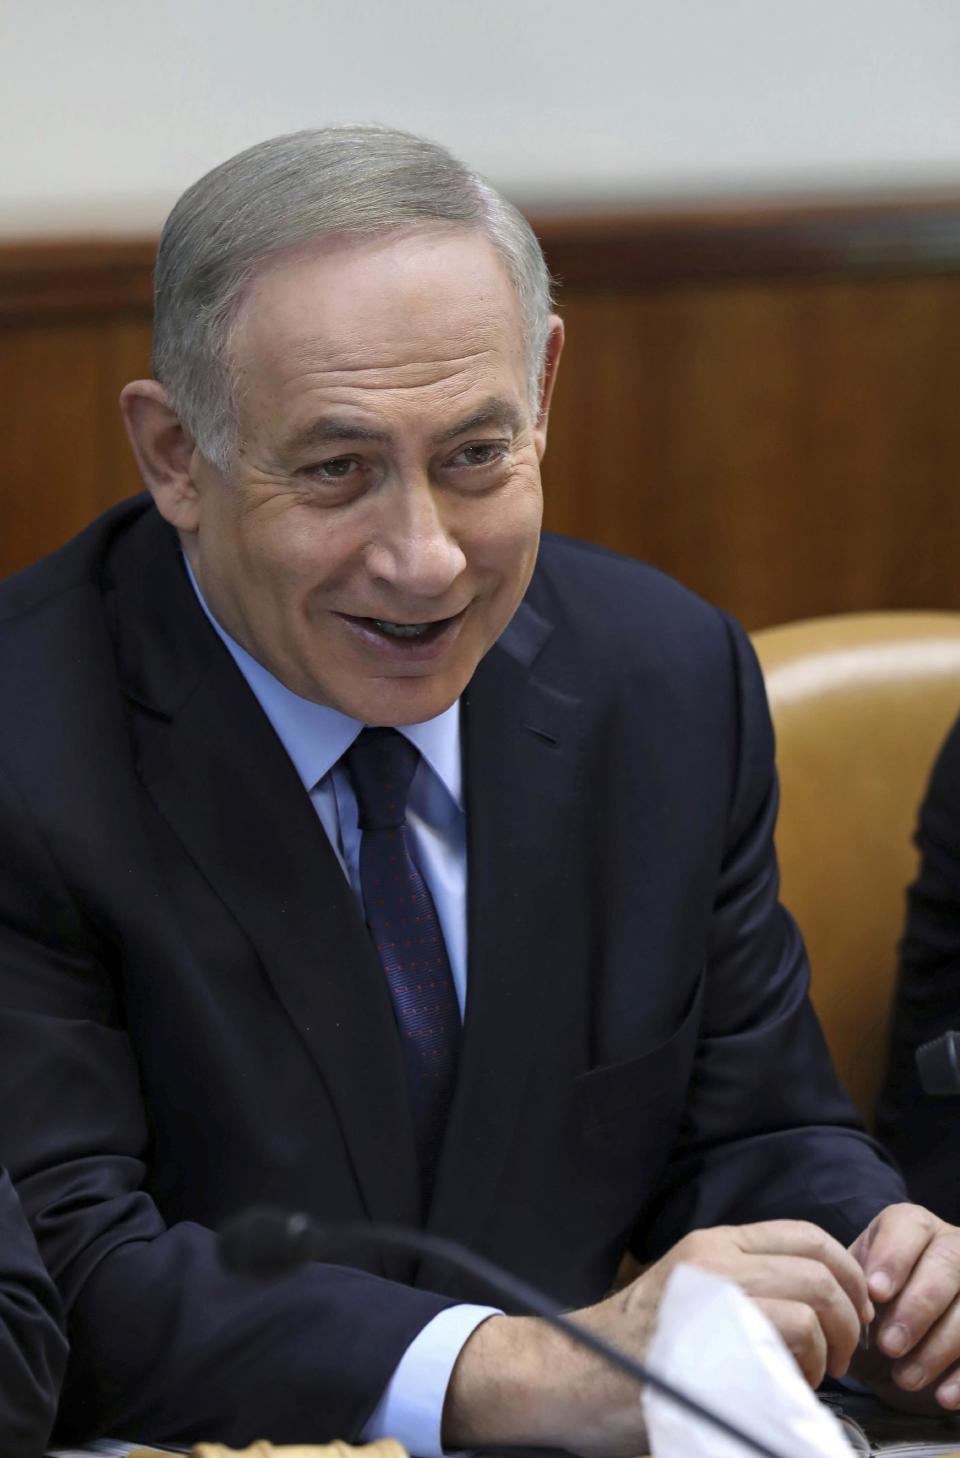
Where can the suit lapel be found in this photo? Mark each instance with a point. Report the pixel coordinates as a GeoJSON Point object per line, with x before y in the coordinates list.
{"type": "Point", "coordinates": [522, 760]}
{"type": "Point", "coordinates": [220, 776]}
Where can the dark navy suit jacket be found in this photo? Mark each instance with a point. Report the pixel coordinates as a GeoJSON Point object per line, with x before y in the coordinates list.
{"type": "Point", "coordinates": [189, 994]}
{"type": "Point", "coordinates": [924, 1131]}
{"type": "Point", "coordinates": [33, 1349]}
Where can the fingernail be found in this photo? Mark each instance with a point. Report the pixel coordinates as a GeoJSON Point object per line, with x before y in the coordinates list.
{"type": "Point", "coordinates": [949, 1395]}
{"type": "Point", "coordinates": [881, 1286]}
{"type": "Point", "coordinates": [893, 1340]}
{"type": "Point", "coordinates": [868, 1313]}
{"type": "Point", "coordinates": [911, 1377]}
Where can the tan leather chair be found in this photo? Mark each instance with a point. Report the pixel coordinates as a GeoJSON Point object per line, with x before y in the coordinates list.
{"type": "Point", "coordinates": [861, 703]}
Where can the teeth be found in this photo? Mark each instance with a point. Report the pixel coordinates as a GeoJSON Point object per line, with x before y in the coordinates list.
{"type": "Point", "coordinates": [401, 630]}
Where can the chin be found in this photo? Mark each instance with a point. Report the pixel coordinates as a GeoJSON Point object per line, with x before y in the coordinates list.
{"type": "Point", "coordinates": [397, 712]}
{"type": "Point", "coordinates": [405, 701]}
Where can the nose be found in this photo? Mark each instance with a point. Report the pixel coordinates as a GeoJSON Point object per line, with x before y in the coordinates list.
{"type": "Point", "coordinates": [413, 550]}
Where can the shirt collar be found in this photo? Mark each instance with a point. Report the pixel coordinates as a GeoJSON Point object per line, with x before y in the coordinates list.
{"type": "Point", "coordinates": [316, 735]}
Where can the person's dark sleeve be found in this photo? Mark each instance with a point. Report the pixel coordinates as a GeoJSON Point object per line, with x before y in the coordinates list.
{"type": "Point", "coordinates": [924, 1131]}
{"type": "Point", "coordinates": [33, 1348]}
{"type": "Point", "coordinates": [165, 1344]}
{"type": "Point", "coordinates": [769, 1133]}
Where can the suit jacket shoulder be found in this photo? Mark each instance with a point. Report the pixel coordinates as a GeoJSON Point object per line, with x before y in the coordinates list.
{"type": "Point", "coordinates": [922, 1130]}
{"type": "Point", "coordinates": [619, 600]}
{"type": "Point", "coordinates": [79, 563]}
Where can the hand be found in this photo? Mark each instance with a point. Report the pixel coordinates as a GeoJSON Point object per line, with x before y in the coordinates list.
{"type": "Point", "coordinates": [519, 1383]}
{"type": "Point", "coordinates": [911, 1260]}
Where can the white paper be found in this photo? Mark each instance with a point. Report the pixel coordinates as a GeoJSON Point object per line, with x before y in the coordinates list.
{"type": "Point", "coordinates": [716, 1345]}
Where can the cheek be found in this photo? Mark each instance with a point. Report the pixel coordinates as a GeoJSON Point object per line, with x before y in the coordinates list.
{"type": "Point", "coordinates": [298, 554]}
{"type": "Point", "coordinates": [505, 539]}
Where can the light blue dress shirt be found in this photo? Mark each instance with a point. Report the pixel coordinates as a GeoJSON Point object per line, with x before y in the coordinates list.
{"type": "Point", "coordinates": [316, 737]}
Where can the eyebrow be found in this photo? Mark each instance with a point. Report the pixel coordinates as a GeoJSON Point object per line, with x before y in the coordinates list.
{"type": "Point", "coordinates": [492, 412]}
{"type": "Point", "coordinates": [328, 429]}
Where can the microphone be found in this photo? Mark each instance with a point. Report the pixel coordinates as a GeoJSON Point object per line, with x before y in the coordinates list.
{"type": "Point", "coordinates": [938, 1065]}
{"type": "Point", "coordinates": [271, 1243]}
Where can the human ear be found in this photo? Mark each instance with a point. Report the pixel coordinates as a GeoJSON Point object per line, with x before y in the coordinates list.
{"type": "Point", "coordinates": [164, 451]}
{"type": "Point", "coordinates": [551, 361]}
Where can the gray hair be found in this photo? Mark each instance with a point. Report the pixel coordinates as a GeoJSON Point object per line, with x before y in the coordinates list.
{"type": "Point", "coordinates": [287, 192]}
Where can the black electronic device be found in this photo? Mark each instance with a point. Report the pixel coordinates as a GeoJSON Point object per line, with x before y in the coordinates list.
{"type": "Point", "coordinates": [938, 1065]}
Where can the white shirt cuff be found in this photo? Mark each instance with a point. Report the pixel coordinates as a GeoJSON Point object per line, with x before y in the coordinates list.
{"type": "Point", "coordinates": [411, 1408]}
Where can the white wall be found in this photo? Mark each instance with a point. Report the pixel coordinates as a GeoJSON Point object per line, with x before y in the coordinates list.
{"type": "Point", "coordinates": [108, 108]}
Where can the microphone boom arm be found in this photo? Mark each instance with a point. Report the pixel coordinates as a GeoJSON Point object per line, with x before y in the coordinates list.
{"type": "Point", "coordinates": [245, 1246]}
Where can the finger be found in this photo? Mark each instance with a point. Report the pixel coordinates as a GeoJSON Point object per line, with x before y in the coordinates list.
{"type": "Point", "coordinates": [934, 1355]}
{"type": "Point", "coordinates": [801, 1331]}
{"type": "Point", "coordinates": [894, 1243]}
{"type": "Point", "coordinates": [948, 1392]}
{"type": "Point", "coordinates": [811, 1284]}
{"type": "Point", "coordinates": [800, 1238]}
{"type": "Point", "coordinates": [929, 1293]}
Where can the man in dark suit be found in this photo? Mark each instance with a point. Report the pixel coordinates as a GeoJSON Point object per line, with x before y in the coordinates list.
{"type": "Point", "coordinates": [923, 1129]}
{"type": "Point", "coordinates": [517, 972]}
{"type": "Point", "coordinates": [33, 1349]}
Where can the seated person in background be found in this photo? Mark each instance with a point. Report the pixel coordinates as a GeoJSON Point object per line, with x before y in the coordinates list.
{"type": "Point", "coordinates": [369, 855]}
{"type": "Point", "coordinates": [33, 1348]}
{"type": "Point", "coordinates": [922, 1129]}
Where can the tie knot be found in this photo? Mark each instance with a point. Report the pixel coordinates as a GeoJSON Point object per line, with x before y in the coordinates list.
{"type": "Point", "coordinates": [381, 763]}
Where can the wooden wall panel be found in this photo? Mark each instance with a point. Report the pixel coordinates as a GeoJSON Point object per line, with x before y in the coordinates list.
{"type": "Point", "coordinates": [785, 450]}
{"type": "Point", "coordinates": [51, 384]}
{"type": "Point", "coordinates": [762, 401]}
{"type": "Point", "coordinates": [64, 453]}
{"type": "Point", "coordinates": [130, 360]}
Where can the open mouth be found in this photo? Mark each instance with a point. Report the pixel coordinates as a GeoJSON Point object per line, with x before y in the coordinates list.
{"type": "Point", "coordinates": [412, 633]}
{"type": "Point", "coordinates": [417, 631]}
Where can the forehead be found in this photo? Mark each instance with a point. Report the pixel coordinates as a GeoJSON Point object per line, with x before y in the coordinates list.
{"type": "Point", "coordinates": [400, 314]}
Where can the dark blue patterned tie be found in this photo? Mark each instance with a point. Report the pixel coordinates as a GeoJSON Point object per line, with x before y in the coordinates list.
{"type": "Point", "coordinates": [406, 932]}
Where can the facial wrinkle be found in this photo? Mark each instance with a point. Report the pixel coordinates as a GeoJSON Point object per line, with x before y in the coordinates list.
{"type": "Point", "coordinates": [435, 371]}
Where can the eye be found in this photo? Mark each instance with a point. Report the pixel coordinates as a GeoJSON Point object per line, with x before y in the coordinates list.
{"type": "Point", "coordinates": [336, 480]}
{"type": "Point", "coordinates": [338, 468]}
{"type": "Point", "coordinates": [480, 453]}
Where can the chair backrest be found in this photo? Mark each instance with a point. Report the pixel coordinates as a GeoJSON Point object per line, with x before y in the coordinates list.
{"type": "Point", "coordinates": [860, 704]}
